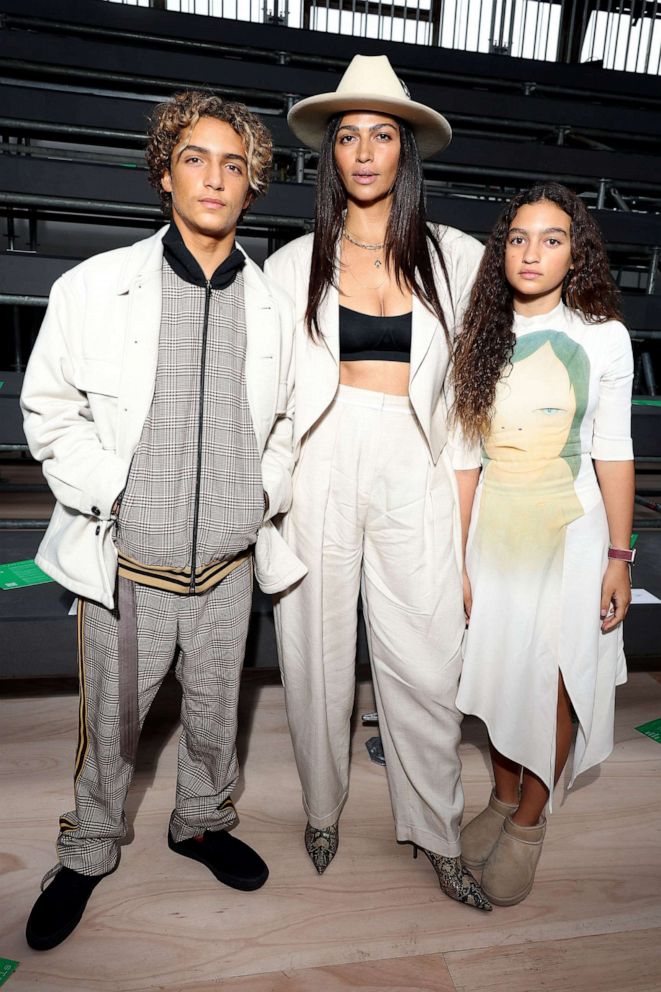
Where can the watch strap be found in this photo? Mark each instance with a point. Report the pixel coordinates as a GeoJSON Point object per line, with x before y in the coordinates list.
{"type": "Point", "coordinates": [620, 554]}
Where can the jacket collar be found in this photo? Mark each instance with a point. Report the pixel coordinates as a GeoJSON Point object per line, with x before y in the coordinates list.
{"type": "Point", "coordinates": [186, 266]}
{"type": "Point", "coordinates": [145, 258]}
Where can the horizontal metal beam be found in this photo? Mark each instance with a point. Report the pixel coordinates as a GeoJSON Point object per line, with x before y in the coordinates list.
{"type": "Point", "coordinates": [167, 29]}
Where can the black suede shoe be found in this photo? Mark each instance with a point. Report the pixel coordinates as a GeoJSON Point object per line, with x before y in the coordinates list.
{"type": "Point", "coordinates": [59, 909]}
{"type": "Point", "coordinates": [228, 858]}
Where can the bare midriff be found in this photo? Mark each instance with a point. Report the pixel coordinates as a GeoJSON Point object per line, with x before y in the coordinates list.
{"type": "Point", "coordinates": [382, 377]}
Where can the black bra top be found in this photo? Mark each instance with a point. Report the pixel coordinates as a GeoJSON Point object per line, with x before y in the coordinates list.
{"type": "Point", "coordinates": [365, 338]}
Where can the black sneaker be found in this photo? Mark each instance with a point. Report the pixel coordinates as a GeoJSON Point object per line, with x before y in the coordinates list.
{"type": "Point", "coordinates": [59, 909]}
{"type": "Point", "coordinates": [228, 858]}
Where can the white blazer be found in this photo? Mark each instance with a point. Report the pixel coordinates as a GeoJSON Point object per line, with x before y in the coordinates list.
{"type": "Point", "coordinates": [87, 392]}
{"type": "Point", "coordinates": [318, 364]}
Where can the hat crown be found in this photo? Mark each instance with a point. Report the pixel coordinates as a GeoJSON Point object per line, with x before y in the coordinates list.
{"type": "Point", "coordinates": [372, 74]}
{"type": "Point", "coordinates": [369, 84]}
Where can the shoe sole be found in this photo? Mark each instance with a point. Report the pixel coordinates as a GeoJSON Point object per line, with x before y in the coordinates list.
{"type": "Point", "coordinates": [474, 865]}
{"type": "Point", "coordinates": [54, 940]}
{"type": "Point", "coordinates": [243, 885]}
{"type": "Point", "coordinates": [513, 900]}
{"type": "Point", "coordinates": [48, 944]}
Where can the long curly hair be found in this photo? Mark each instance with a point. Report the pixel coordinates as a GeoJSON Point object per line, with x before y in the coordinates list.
{"type": "Point", "coordinates": [173, 121]}
{"type": "Point", "coordinates": [484, 347]}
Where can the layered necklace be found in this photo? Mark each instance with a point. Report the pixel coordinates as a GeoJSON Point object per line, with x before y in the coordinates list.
{"type": "Point", "coordinates": [346, 233]}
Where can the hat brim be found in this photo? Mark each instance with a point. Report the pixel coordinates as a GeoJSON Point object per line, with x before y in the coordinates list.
{"type": "Point", "coordinates": [308, 118]}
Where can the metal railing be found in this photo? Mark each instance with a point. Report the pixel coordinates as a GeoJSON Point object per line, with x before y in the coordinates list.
{"type": "Point", "coordinates": [618, 34]}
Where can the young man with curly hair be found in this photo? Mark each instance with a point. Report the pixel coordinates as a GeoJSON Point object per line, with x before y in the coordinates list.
{"type": "Point", "coordinates": [159, 399]}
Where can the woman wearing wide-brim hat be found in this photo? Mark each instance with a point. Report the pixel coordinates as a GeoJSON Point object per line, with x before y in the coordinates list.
{"type": "Point", "coordinates": [378, 295]}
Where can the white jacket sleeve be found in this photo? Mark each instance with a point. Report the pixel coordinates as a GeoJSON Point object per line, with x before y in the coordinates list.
{"type": "Point", "coordinates": [58, 420]}
{"type": "Point", "coordinates": [278, 456]}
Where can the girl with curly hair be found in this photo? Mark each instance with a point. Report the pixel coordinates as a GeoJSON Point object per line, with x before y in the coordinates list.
{"type": "Point", "coordinates": [542, 378]}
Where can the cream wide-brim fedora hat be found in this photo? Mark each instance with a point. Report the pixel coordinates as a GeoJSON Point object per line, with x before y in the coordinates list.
{"type": "Point", "coordinates": [370, 83]}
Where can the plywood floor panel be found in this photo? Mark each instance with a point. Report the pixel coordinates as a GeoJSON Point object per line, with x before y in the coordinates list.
{"type": "Point", "coordinates": [625, 962]}
{"type": "Point", "coordinates": [425, 973]}
{"type": "Point", "coordinates": [161, 922]}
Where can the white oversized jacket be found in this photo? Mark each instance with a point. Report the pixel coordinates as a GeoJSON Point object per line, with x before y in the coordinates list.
{"type": "Point", "coordinates": [87, 392]}
{"type": "Point", "coordinates": [318, 363]}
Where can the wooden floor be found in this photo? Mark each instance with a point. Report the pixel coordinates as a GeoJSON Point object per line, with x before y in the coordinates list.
{"type": "Point", "coordinates": [376, 921]}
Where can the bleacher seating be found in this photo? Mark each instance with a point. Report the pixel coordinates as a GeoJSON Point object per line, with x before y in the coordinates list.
{"type": "Point", "coordinates": [80, 78]}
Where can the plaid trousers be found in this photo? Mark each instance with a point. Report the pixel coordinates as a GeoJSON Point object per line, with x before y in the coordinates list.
{"type": "Point", "coordinates": [210, 632]}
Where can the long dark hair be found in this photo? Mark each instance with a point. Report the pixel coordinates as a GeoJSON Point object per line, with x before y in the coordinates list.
{"type": "Point", "coordinates": [484, 347]}
{"type": "Point", "coordinates": [406, 245]}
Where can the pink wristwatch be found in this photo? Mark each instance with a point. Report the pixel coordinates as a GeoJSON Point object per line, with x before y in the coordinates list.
{"type": "Point", "coordinates": [622, 555]}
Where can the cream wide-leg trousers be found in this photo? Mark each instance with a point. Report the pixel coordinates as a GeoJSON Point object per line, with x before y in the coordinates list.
{"type": "Point", "coordinates": [371, 512]}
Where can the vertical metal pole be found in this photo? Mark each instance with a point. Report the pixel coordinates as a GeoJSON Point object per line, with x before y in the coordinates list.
{"type": "Point", "coordinates": [11, 230]}
{"type": "Point", "coordinates": [653, 270]}
{"type": "Point", "coordinates": [479, 26]}
{"type": "Point", "coordinates": [548, 34]}
{"type": "Point", "coordinates": [609, 33]}
{"type": "Point", "coordinates": [534, 44]}
{"type": "Point", "coordinates": [648, 373]}
{"type": "Point", "coordinates": [629, 33]}
{"type": "Point", "coordinates": [492, 31]}
{"type": "Point", "coordinates": [572, 25]}
{"type": "Point", "coordinates": [649, 40]}
{"type": "Point", "coordinates": [300, 165]}
{"type": "Point", "coordinates": [510, 37]}
{"type": "Point", "coordinates": [17, 365]}
{"type": "Point", "coordinates": [559, 43]}
{"type": "Point", "coordinates": [523, 27]}
{"type": "Point", "coordinates": [501, 31]}
{"type": "Point", "coordinates": [32, 231]}
{"type": "Point", "coordinates": [643, 22]}
{"type": "Point", "coordinates": [618, 14]}
{"type": "Point", "coordinates": [585, 25]}
{"type": "Point", "coordinates": [601, 196]}
{"type": "Point", "coordinates": [436, 20]}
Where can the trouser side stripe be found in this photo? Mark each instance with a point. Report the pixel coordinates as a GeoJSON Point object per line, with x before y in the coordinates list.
{"type": "Point", "coordinates": [83, 739]}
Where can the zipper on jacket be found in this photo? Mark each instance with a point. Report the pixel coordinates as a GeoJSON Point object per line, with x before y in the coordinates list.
{"type": "Point", "coordinates": [200, 426]}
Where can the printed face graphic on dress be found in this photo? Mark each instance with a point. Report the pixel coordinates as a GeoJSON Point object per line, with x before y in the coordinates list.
{"type": "Point", "coordinates": [367, 149]}
{"type": "Point", "coordinates": [208, 179]}
{"type": "Point", "coordinates": [535, 407]}
{"type": "Point", "coordinates": [538, 253]}
{"type": "Point", "coordinates": [534, 449]}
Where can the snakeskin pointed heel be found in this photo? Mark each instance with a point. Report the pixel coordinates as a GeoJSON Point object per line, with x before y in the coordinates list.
{"type": "Point", "coordinates": [321, 844]}
{"type": "Point", "coordinates": [455, 880]}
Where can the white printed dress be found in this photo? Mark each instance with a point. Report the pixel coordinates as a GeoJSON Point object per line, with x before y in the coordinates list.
{"type": "Point", "coordinates": [538, 542]}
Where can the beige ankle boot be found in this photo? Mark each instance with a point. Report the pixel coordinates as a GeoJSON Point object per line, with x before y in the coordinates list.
{"type": "Point", "coordinates": [478, 838]}
{"type": "Point", "coordinates": [510, 869]}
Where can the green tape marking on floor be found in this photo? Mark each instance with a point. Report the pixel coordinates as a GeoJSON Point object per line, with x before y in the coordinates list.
{"type": "Point", "coordinates": [651, 729]}
{"type": "Point", "coordinates": [646, 402]}
{"type": "Point", "coordinates": [7, 968]}
{"type": "Point", "coordinates": [2, 382]}
{"type": "Point", "coordinates": [18, 574]}
{"type": "Point", "coordinates": [634, 538]}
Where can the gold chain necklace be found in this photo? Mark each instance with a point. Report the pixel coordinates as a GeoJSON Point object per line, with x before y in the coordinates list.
{"type": "Point", "coordinates": [346, 233]}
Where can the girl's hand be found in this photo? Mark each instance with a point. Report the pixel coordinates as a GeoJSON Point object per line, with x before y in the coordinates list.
{"type": "Point", "coordinates": [468, 597]}
{"type": "Point", "coordinates": [615, 595]}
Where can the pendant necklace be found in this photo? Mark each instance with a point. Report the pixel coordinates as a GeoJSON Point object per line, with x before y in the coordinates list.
{"type": "Point", "coordinates": [346, 233]}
